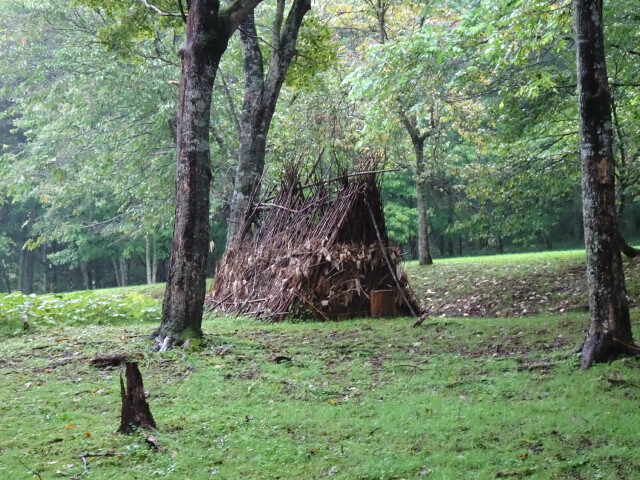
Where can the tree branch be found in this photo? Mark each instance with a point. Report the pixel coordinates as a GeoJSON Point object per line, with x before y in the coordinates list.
{"type": "Point", "coordinates": [232, 106]}
{"type": "Point", "coordinates": [237, 12]}
{"type": "Point", "coordinates": [160, 12]}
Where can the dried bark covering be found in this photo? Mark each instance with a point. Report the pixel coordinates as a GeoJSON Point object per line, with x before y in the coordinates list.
{"type": "Point", "coordinates": [316, 255]}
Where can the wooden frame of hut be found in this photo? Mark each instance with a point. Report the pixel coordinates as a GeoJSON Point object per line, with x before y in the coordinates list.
{"type": "Point", "coordinates": [319, 253]}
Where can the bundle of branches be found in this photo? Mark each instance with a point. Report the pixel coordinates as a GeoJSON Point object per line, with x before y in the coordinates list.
{"type": "Point", "coordinates": [318, 253]}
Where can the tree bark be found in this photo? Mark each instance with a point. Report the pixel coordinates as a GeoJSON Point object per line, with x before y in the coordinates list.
{"type": "Point", "coordinates": [27, 267]}
{"type": "Point", "coordinates": [5, 276]}
{"type": "Point", "coordinates": [380, 8]}
{"type": "Point", "coordinates": [207, 34]}
{"type": "Point", "coordinates": [259, 103]}
{"type": "Point", "coordinates": [147, 258]}
{"type": "Point", "coordinates": [116, 271]}
{"type": "Point", "coordinates": [135, 411]}
{"type": "Point", "coordinates": [418, 140]}
{"type": "Point", "coordinates": [84, 269]}
{"type": "Point", "coordinates": [124, 271]}
{"type": "Point", "coordinates": [154, 262]}
{"type": "Point", "coordinates": [610, 327]}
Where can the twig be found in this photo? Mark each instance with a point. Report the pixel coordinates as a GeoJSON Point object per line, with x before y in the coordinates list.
{"type": "Point", "coordinates": [83, 456]}
{"type": "Point", "coordinates": [633, 348]}
{"type": "Point", "coordinates": [217, 304]}
{"type": "Point", "coordinates": [349, 175]}
{"type": "Point", "coordinates": [31, 471]}
{"type": "Point", "coordinates": [264, 206]}
{"type": "Point", "coordinates": [312, 306]}
{"type": "Point", "coordinates": [422, 318]}
{"type": "Point", "coordinates": [409, 366]}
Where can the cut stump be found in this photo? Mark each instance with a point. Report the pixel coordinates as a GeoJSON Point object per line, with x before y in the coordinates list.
{"type": "Point", "coordinates": [135, 409]}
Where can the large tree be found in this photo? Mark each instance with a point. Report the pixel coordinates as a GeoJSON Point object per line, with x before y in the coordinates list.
{"type": "Point", "coordinates": [261, 94]}
{"type": "Point", "coordinates": [209, 28]}
{"type": "Point", "coordinates": [610, 328]}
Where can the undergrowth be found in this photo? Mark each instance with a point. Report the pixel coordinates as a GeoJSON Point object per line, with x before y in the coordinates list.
{"type": "Point", "coordinates": [20, 313]}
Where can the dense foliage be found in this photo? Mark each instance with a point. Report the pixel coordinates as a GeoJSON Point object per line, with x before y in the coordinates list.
{"type": "Point", "coordinates": [88, 97]}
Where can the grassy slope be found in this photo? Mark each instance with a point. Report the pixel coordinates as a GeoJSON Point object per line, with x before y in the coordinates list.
{"type": "Point", "coordinates": [371, 399]}
{"type": "Point", "coordinates": [510, 285]}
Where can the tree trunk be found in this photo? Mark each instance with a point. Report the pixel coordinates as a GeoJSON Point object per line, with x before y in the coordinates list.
{"type": "Point", "coordinates": [117, 272]}
{"type": "Point", "coordinates": [135, 411]}
{"type": "Point", "coordinates": [417, 140]}
{"type": "Point", "coordinates": [381, 14]}
{"type": "Point", "coordinates": [27, 266]}
{"type": "Point", "coordinates": [147, 258]}
{"type": "Point", "coordinates": [154, 262]}
{"type": "Point", "coordinates": [380, 8]}
{"type": "Point", "coordinates": [5, 276]}
{"type": "Point", "coordinates": [424, 252]}
{"type": "Point", "coordinates": [207, 34]}
{"type": "Point", "coordinates": [84, 269]}
{"type": "Point", "coordinates": [258, 106]}
{"type": "Point", "coordinates": [610, 327]}
{"type": "Point", "coordinates": [124, 271]}
{"type": "Point", "coordinates": [45, 269]}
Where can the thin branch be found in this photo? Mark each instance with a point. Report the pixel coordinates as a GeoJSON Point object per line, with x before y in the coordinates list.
{"type": "Point", "coordinates": [232, 106]}
{"type": "Point", "coordinates": [181, 7]}
{"type": "Point", "coordinates": [31, 471]}
{"type": "Point", "coordinates": [258, 37]}
{"type": "Point", "coordinates": [97, 224]}
{"type": "Point", "coordinates": [264, 206]}
{"type": "Point", "coordinates": [355, 174]}
{"type": "Point", "coordinates": [160, 12]}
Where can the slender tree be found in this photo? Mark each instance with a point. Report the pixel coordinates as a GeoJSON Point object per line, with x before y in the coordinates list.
{"type": "Point", "coordinates": [610, 328]}
{"type": "Point", "coordinates": [260, 96]}
{"type": "Point", "coordinates": [209, 28]}
{"type": "Point", "coordinates": [418, 139]}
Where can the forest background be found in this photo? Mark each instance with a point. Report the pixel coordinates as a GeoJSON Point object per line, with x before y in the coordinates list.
{"type": "Point", "coordinates": [471, 104]}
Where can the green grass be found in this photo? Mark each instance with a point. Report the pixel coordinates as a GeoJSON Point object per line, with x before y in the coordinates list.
{"type": "Point", "coordinates": [514, 258]}
{"type": "Point", "coordinates": [472, 398]}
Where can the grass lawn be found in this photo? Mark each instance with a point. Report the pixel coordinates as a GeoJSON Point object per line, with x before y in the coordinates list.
{"type": "Point", "coordinates": [456, 398]}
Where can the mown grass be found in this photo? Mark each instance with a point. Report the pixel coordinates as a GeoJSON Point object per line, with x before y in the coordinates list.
{"type": "Point", "coordinates": [473, 398]}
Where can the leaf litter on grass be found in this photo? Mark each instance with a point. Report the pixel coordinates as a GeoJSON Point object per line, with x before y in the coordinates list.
{"type": "Point", "coordinates": [511, 290]}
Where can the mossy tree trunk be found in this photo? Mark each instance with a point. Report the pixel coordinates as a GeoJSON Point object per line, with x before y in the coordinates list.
{"type": "Point", "coordinates": [610, 327]}
{"type": "Point", "coordinates": [207, 34]}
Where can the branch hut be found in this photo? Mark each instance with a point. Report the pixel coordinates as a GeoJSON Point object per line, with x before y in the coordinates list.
{"type": "Point", "coordinates": [320, 252]}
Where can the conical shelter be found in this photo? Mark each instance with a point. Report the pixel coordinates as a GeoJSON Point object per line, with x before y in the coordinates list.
{"type": "Point", "coordinates": [320, 252]}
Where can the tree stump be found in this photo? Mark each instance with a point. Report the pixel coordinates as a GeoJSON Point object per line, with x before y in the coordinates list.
{"type": "Point", "coordinates": [135, 409]}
